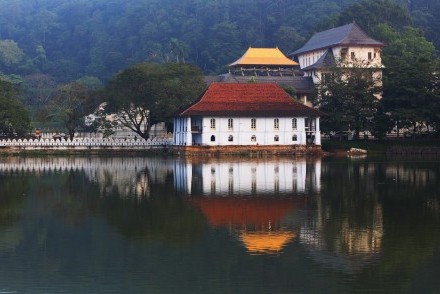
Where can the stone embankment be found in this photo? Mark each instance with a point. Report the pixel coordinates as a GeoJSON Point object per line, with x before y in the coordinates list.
{"type": "Point", "coordinates": [247, 150]}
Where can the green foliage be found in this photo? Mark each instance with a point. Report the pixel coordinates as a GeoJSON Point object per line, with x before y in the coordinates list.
{"type": "Point", "coordinates": [411, 92]}
{"type": "Point", "coordinates": [14, 118]}
{"type": "Point", "coordinates": [349, 98]}
{"type": "Point", "coordinates": [147, 93]}
{"type": "Point", "coordinates": [70, 104]}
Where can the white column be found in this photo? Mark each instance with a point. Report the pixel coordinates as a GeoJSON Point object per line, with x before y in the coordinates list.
{"type": "Point", "coordinates": [188, 131]}
{"type": "Point", "coordinates": [317, 133]}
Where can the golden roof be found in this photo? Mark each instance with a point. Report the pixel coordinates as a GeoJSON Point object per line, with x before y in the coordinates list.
{"type": "Point", "coordinates": [266, 242]}
{"type": "Point", "coordinates": [264, 56]}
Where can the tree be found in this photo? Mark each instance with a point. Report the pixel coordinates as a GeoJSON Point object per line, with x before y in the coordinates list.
{"type": "Point", "coordinates": [14, 118]}
{"type": "Point", "coordinates": [71, 103]}
{"type": "Point", "coordinates": [411, 93]}
{"type": "Point", "coordinates": [148, 93]}
{"type": "Point", "coordinates": [349, 96]}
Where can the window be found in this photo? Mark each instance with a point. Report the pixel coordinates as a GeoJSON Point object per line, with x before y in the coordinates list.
{"type": "Point", "coordinates": [276, 124]}
{"type": "Point", "coordinates": [230, 138]}
{"type": "Point", "coordinates": [212, 138]}
{"type": "Point", "coordinates": [353, 56]}
{"type": "Point", "coordinates": [253, 124]}
{"type": "Point", "coordinates": [276, 138]}
{"type": "Point", "coordinates": [369, 56]}
{"type": "Point", "coordinates": [230, 124]}
{"type": "Point", "coordinates": [253, 138]}
{"type": "Point", "coordinates": [294, 124]}
{"type": "Point", "coordinates": [212, 123]}
{"type": "Point", "coordinates": [294, 138]}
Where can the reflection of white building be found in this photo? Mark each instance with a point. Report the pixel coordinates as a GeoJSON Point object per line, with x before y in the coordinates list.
{"type": "Point", "coordinates": [248, 177]}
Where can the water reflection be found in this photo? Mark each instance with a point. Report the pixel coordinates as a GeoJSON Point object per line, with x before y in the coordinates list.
{"type": "Point", "coordinates": [248, 177]}
{"type": "Point", "coordinates": [353, 224]}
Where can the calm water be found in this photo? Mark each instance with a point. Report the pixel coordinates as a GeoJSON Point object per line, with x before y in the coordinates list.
{"type": "Point", "coordinates": [143, 225]}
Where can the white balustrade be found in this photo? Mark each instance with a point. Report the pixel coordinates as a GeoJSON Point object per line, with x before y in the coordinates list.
{"type": "Point", "coordinates": [96, 143]}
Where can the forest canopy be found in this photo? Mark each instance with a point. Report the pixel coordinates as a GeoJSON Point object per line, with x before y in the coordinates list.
{"type": "Point", "coordinates": [71, 39]}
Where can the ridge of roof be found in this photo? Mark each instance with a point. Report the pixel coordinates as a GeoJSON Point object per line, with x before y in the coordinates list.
{"type": "Point", "coordinates": [255, 99]}
{"type": "Point", "coordinates": [264, 56]}
{"type": "Point", "coordinates": [349, 34]}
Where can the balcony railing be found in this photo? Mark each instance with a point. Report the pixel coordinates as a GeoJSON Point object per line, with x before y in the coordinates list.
{"type": "Point", "coordinates": [195, 129]}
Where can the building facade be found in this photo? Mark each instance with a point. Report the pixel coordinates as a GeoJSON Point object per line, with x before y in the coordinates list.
{"type": "Point", "coordinates": [247, 114]}
{"type": "Point", "coordinates": [344, 46]}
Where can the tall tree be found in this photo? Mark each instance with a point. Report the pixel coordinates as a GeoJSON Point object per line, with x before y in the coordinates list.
{"type": "Point", "coordinates": [14, 118]}
{"type": "Point", "coordinates": [147, 93]}
{"type": "Point", "coordinates": [349, 95]}
{"type": "Point", "coordinates": [410, 78]}
{"type": "Point", "coordinates": [71, 103]}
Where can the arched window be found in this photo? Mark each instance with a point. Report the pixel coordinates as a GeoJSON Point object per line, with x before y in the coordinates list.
{"type": "Point", "coordinates": [254, 138]}
{"type": "Point", "coordinates": [294, 124]}
{"type": "Point", "coordinates": [230, 138]}
{"type": "Point", "coordinates": [276, 138]}
{"type": "Point", "coordinates": [212, 138]}
{"type": "Point", "coordinates": [294, 138]}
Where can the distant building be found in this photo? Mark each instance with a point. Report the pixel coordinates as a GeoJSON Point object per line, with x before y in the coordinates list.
{"type": "Point", "coordinates": [344, 46]}
{"type": "Point", "coordinates": [246, 114]}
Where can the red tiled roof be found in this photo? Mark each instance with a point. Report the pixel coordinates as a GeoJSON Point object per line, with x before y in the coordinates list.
{"type": "Point", "coordinates": [259, 100]}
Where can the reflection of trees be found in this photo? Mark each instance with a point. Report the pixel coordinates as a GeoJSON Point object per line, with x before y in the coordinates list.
{"type": "Point", "coordinates": [13, 191]}
{"type": "Point", "coordinates": [386, 208]}
{"type": "Point", "coordinates": [164, 218]}
{"type": "Point", "coordinates": [348, 226]}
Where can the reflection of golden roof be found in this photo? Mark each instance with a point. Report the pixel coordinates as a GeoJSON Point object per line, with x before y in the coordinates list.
{"type": "Point", "coordinates": [264, 56]}
{"type": "Point", "coordinates": [266, 242]}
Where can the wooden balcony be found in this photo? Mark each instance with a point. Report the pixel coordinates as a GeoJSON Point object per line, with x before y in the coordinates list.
{"type": "Point", "coordinates": [196, 129]}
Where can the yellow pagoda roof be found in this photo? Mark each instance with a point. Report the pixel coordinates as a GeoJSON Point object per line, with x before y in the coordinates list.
{"type": "Point", "coordinates": [264, 56]}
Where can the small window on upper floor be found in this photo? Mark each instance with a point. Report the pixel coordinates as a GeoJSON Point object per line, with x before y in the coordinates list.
{"type": "Point", "coordinates": [230, 124]}
{"type": "Point", "coordinates": [276, 124]}
{"type": "Point", "coordinates": [294, 124]}
{"type": "Point", "coordinates": [212, 123]}
{"type": "Point", "coordinates": [253, 124]}
{"type": "Point", "coordinates": [370, 56]}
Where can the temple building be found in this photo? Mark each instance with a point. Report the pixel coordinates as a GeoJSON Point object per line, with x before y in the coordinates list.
{"type": "Point", "coordinates": [267, 65]}
{"type": "Point", "coordinates": [247, 114]}
{"type": "Point", "coordinates": [344, 46]}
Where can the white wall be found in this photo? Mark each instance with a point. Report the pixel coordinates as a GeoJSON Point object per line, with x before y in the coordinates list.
{"type": "Point", "coordinates": [242, 132]}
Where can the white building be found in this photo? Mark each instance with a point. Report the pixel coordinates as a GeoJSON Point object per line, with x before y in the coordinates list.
{"type": "Point", "coordinates": [347, 46]}
{"type": "Point", "coordinates": [246, 114]}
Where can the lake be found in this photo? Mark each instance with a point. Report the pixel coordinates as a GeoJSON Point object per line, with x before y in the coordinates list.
{"type": "Point", "coordinates": [285, 225]}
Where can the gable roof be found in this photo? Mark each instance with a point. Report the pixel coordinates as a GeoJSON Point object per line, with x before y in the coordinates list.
{"type": "Point", "coordinates": [327, 60]}
{"type": "Point", "coordinates": [264, 56]}
{"type": "Point", "coordinates": [350, 34]}
{"type": "Point", "coordinates": [256, 100]}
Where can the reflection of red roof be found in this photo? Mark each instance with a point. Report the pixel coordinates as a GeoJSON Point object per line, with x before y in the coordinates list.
{"type": "Point", "coordinates": [245, 211]}
{"type": "Point", "coordinates": [262, 100]}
